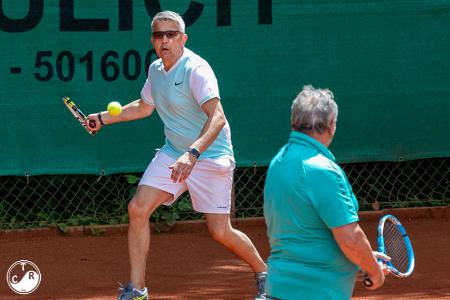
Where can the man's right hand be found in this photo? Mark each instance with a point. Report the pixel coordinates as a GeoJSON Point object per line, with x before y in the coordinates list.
{"type": "Point", "coordinates": [93, 117]}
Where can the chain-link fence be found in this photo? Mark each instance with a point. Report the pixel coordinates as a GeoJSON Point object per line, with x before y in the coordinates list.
{"type": "Point", "coordinates": [66, 200]}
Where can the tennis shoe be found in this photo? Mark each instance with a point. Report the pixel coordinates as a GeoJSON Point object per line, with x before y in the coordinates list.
{"type": "Point", "coordinates": [128, 292]}
{"type": "Point", "coordinates": [260, 278]}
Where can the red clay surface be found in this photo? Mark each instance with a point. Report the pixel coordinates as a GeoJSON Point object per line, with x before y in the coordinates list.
{"type": "Point", "coordinates": [188, 264]}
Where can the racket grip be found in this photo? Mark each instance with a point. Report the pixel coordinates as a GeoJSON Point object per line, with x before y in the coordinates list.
{"type": "Point", "coordinates": [367, 282]}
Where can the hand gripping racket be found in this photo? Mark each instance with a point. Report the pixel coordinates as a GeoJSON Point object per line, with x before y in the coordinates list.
{"type": "Point", "coordinates": [79, 115]}
{"type": "Point", "coordinates": [394, 242]}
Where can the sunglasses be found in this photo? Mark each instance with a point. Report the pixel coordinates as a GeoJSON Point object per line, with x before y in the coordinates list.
{"type": "Point", "coordinates": [170, 34]}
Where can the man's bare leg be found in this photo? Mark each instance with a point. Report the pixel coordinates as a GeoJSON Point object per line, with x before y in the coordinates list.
{"type": "Point", "coordinates": [146, 200]}
{"type": "Point", "coordinates": [219, 227]}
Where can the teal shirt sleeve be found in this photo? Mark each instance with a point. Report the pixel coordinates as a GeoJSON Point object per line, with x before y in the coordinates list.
{"type": "Point", "coordinates": [331, 195]}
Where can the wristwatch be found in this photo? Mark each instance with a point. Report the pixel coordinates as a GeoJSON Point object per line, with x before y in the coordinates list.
{"type": "Point", "coordinates": [194, 152]}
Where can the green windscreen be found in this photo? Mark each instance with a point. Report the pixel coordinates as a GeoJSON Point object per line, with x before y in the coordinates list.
{"type": "Point", "coordinates": [387, 62]}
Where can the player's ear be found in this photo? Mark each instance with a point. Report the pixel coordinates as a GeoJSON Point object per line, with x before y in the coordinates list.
{"type": "Point", "coordinates": [332, 127]}
{"type": "Point", "coordinates": [185, 38]}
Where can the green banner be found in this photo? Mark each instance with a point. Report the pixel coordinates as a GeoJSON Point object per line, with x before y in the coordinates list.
{"type": "Point", "coordinates": [386, 61]}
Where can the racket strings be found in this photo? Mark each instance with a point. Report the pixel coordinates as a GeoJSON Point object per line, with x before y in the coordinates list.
{"type": "Point", "coordinates": [396, 247]}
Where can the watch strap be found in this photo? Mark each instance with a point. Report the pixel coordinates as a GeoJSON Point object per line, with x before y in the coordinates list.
{"type": "Point", "coordinates": [99, 116]}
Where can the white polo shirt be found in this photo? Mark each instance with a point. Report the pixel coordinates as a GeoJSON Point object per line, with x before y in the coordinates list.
{"type": "Point", "coordinates": [178, 96]}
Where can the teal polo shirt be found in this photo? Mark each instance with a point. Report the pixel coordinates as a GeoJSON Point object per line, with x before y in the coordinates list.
{"type": "Point", "coordinates": [306, 194]}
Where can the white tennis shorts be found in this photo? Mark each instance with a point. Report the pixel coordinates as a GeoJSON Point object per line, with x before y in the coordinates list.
{"type": "Point", "coordinates": [209, 183]}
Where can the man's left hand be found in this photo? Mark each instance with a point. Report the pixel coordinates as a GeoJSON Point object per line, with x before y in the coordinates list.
{"type": "Point", "coordinates": [182, 168]}
{"type": "Point", "coordinates": [382, 259]}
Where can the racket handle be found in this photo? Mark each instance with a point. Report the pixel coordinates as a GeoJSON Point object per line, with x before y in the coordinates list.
{"type": "Point", "coordinates": [92, 123]}
{"type": "Point", "coordinates": [367, 282]}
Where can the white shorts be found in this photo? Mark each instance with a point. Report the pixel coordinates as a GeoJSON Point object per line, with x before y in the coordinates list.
{"type": "Point", "coordinates": [209, 183]}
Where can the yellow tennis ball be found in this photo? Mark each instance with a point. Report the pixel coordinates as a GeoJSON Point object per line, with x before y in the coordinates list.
{"type": "Point", "coordinates": [114, 108]}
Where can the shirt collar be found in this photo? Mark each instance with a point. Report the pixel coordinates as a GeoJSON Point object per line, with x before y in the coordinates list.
{"type": "Point", "coordinates": [304, 139]}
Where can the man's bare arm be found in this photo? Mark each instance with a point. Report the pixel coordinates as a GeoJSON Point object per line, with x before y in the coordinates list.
{"type": "Point", "coordinates": [182, 168]}
{"type": "Point", "coordinates": [134, 110]}
{"type": "Point", "coordinates": [353, 242]}
{"type": "Point", "coordinates": [211, 129]}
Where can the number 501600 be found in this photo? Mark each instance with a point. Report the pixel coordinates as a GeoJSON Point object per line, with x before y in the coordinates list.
{"type": "Point", "coordinates": [111, 65]}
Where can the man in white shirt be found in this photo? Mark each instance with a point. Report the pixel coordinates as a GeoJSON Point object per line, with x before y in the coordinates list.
{"type": "Point", "coordinates": [197, 155]}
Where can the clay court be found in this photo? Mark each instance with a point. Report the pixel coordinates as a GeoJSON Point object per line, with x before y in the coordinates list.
{"type": "Point", "coordinates": [187, 264]}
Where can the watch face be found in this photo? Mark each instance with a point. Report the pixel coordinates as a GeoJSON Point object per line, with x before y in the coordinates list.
{"type": "Point", "coordinates": [194, 152]}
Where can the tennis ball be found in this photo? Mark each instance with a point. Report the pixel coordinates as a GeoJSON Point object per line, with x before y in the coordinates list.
{"type": "Point", "coordinates": [114, 108]}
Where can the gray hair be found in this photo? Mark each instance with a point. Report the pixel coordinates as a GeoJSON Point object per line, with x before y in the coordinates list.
{"type": "Point", "coordinates": [168, 15]}
{"type": "Point", "coordinates": [313, 110]}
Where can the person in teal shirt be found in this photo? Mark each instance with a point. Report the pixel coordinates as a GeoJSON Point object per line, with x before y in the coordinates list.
{"type": "Point", "coordinates": [311, 212]}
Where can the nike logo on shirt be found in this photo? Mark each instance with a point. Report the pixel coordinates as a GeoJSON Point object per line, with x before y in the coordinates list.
{"type": "Point", "coordinates": [178, 83]}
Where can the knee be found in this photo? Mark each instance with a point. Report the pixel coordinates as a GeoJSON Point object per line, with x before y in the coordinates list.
{"type": "Point", "coordinates": [218, 233]}
{"type": "Point", "coordinates": [137, 210]}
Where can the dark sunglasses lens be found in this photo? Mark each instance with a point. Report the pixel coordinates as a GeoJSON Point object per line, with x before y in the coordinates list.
{"type": "Point", "coordinates": [171, 34]}
{"type": "Point", "coordinates": [158, 35]}
{"type": "Point", "coordinates": [161, 34]}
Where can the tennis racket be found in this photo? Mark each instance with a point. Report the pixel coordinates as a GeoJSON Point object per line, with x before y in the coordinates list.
{"type": "Point", "coordinates": [79, 115]}
{"type": "Point", "coordinates": [393, 241]}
